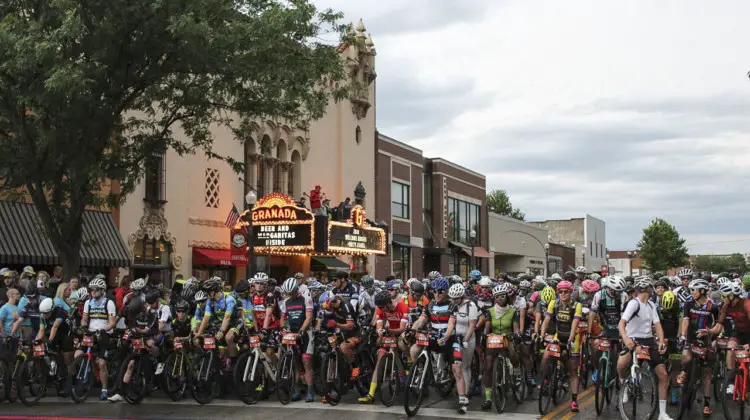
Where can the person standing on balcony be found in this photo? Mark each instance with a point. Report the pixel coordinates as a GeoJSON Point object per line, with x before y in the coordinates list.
{"type": "Point", "coordinates": [315, 200]}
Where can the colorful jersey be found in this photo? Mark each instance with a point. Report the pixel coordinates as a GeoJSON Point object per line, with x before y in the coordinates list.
{"type": "Point", "coordinates": [670, 321]}
{"type": "Point", "coordinates": [736, 317]}
{"type": "Point", "coordinates": [608, 308]}
{"type": "Point", "coordinates": [396, 317]}
{"type": "Point", "coordinates": [700, 317]}
{"type": "Point", "coordinates": [247, 310]}
{"type": "Point", "coordinates": [438, 313]}
{"type": "Point", "coordinates": [349, 294]}
{"type": "Point", "coordinates": [216, 310]}
{"type": "Point", "coordinates": [501, 319]}
{"type": "Point", "coordinates": [260, 304]}
{"type": "Point", "coordinates": [58, 314]}
{"type": "Point", "coordinates": [415, 308]}
{"type": "Point", "coordinates": [296, 310]}
{"type": "Point", "coordinates": [344, 315]}
{"type": "Point", "coordinates": [563, 315]}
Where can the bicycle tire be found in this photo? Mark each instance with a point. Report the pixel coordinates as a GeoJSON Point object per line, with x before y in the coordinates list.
{"type": "Point", "coordinates": [366, 368]}
{"type": "Point", "coordinates": [81, 388]}
{"type": "Point", "coordinates": [499, 396]}
{"type": "Point", "coordinates": [204, 391]}
{"type": "Point", "coordinates": [387, 366]}
{"type": "Point", "coordinates": [583, 364]}
{"type": "Point", "coordinates": [729, 402]}
{"type": "Point", "coordinates": [600, 386]}
{"type": "Point", "coordinates": [135, 391]}
{"type": "Point", "coordinates": [332, 383]}
{"type": "Point", "coordinates": [419, 373]}
{"type": "Point", "coordinates": [689, 389]}
{"type": "Point", "coordinates": [546, 388]}
{"type": "Point", "coordinates": [247, 390]}
{"type": "Point", "coordinates": [518, 386]}
{"type": "Point", "coordinates": [175, 383]}
{"type": "Point", "coordinates": [38, 368]}
{"type": "Point", "coordinates": [720, 371]}
{"type": "Point", "coordinates": [286, 378]}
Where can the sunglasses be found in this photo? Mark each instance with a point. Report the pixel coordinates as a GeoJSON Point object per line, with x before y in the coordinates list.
{"type": "Point", "coordinates": [563, 292]}
{"type": "Point", "coordinates": [382, 307]}
{"type": "Point", "coordinates": [440, 291]}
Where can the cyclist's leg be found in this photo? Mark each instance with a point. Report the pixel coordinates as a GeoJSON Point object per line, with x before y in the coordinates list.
{"type": "Point", "coordinates": [467, 354]}
{"type": "Point", "coordinates": [687, 357]}
{"type": "Point", "coordinates": [307, 347]}
{"type": "Point", "coordinates": [489, 361]}
{"type": "Point", "coordinates": [623, 365]}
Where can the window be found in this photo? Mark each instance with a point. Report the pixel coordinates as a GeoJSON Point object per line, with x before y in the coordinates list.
{"type": "Point", "coordinates": [260, 187]}
{"type": "Point", "coordinates": [401, 262]}
{"type": "Point", "coordinates": [151, 252]}
{"type": "Point", "coordinates": [462, 218]}
{"type": "Point", "coordinates": [459, 264]}
{"type": "Point", "coordinates": [156, 177]}
{"type": "Point", "coordinates": [591, 248]}
{"type": "Point", "coordinates": [400, 200]}
{"type": "Point", "coordinates": [358, 135]}
{"type": "Point", "coordinates": [212, 188]}
{"type": "Point", "coordinates": [277, 177]}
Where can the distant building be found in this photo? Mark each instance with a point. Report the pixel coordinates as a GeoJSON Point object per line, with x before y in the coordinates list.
{"type": "Point", "coordinates": [517, 247]}
{"type": "Point", "coordinates": [587, 234]}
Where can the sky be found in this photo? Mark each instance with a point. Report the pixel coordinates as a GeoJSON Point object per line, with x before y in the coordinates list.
{"type": "Point", "coordinates": [624, 110]}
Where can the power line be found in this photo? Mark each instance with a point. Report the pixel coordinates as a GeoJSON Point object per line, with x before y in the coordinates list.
{"type": "Point", "coordinates": [720, 242]}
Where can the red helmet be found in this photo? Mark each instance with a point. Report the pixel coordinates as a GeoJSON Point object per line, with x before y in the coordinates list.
{"type": "Point", "coordinates": [590, 286]}
{"type": "Point", "coordinates": [565, 285]}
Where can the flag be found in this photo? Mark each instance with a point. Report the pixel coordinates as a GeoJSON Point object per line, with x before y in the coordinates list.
{"type": "Point", "coordinates": [232, 218]}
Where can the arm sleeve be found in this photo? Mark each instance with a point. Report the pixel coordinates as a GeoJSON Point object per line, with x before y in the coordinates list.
{"type": "Point", "coordinates": [111, 308]}
{"type": "Point", "coordinates": [86, 307]}
{"type": "Point", "coordinates": [629, 310]}
{"type": "Point", "coordinates": [308, 304]}
{"type": "Point", "coordinates": [654, 314]}
{"type": "Point", "coordinates": [550, 308]}
{"type": "Point", "coordinates": [579, 311]}
{"type": "Point", "coordinates": [473, 311]}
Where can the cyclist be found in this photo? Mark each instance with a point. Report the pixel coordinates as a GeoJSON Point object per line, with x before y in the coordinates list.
{"type": "Point", "coordinates": [163, 315]}
{"type": "Point", "coordinates": [607, 306]}
{"type": "Point", "coordinates": [344, 288]}
{"type": "Point", "coordinates": [300, 277]}
{"type": "Point", "coordinates": [200, 307]}
{"type": "Point", "coordinates": [367, 306]}
{"type": "Point", "coordinates": [735, 317]}
{"type": "Point", "coordinates": [396, 315]}
{"type": "Point", "coordinates": [52, 325]}
{"type": "Point", "coordinates": [580, 275]}
{"type": "Point", "coordinates": [670, 314]}
{"type": "Point", "coordinates": [266, 313]}
{"type": "Point", "coordinates": [223, 314]}
{"type": "Point", "coordinates": [686, 276]}
{"type": "Point", "coordinates": [501, 319]}
{"type": "Point", "coordinates": [100, 315]}
{"type": "Point", "coordinates": [341, 314]}
{"type": "Point", "coordinates": [700, 319]}
{"type": "Point", "coordinates": [565, 313]}
{"type": "Point", "coordinates": [546, 296]}
{"type": "Point", "coordinates": [433, 275]}
{"type": "Point", "coordinates": [297, 316]}
{"type": "Point", "coordinates": [639, 321]}
{"type": "Point", "coordinates": [181, 320]}
{"type": "Point", "coordinates": [28, 311]}
{"type": "Point", "coordinates": [242, 296]}
{"type": "Point", "coordinates": [462, 323]}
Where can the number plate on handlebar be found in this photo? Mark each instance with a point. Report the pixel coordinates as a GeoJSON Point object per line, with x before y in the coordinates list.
{"type": "Point", "coordinates": [254, 341]}
{"type": "Point", "coordinates": [741, 354]}
{"type": "Point", "coordinates": [423, 339]}
{"type": "Point", "coordinates": [495, 341]}
{"type": "Point", "coordinates": [289, 338]}
{"type": "Point", "coordinates": [88, 341]}
{"type": "Point", "coordinates": [700, 351]}
{"type": "Point", "coordinates": [137, 344]}
{"type": "Point", "coordinates": [549, 338]}
{"type": "Point", "coordinates": [602, 345]}
{"type": "Point", "coordinates": [390, 342]}
{"type": "Point", "coordinates": [553, 350]}
{"type": "Point", "coordinates": [39, 350]}
{"type": "Point", "coordinates": [209, 343]}
{"type": "Point", "coordinates": [722, 342]}
{"type": "Point", "coordinates": [177, 345]}
{"type": "Point", "coordinates": [332, 340]}
{"type": "Point", "coordinates": [642, 353]}
{"type": "Point", "coordinates": [583, 325]}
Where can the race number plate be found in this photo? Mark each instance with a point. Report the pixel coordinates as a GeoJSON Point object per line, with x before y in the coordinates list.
{"type": "Point", "coordinates": [722, 342]}
{"type": "Point", "coordinates": [209, 343]}
{"type": "Point", "coordinates": [553, 350]}
{"type": "Point", "coordinates": [700, 351]}
{"type": "Point", "coordinates": [332, 340]}
{"type": "Point", "coordinates": [88, 341]}
{"type": "Point", "coordinates": [289, 338]}
{"type": "Point", "coordinates": [495, 341]}
{"type": "Point", "coordinates": [390, 342]}
{"type": "Point", "coordinates": [137, 344]}
{"type": "Point", "coordinates": [126, 335]}
{"type": "Point", "coordinates": [602, 345]}
{"type": "Point", "coordinates": [177, 345]}
{"type": "Point", "coordinates": [39, 350]}
{"type": "Point", "coordinates": [254, 341]}
{"type": "Point", "coordinates": [741, 354]}
{"type": "Point", "coordinates": [642, 353]}
{"type": "Point", "coordinates": [583, 325]}
{"type": "Point", "coordinates": [422, 339]}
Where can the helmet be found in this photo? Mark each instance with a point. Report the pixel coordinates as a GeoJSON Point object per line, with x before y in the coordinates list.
{"type": "Point", "coordinates": [746, 279]}
{"type": "Point", "coordinates": [580, 270]}
{"type": "Point", "coordinates": [187, 292]}
{"type": "Point", "coordinates": [83, 293]}
{"type": "Point", "coordinates": [138, 284]}
{"type": "Point", "coordinates": [685, 272]}
{"type": "Point", "coordinates": [212, 285]}
{"type": "Point", "coordinates": [181, 306]}
{"type": "Point", "coordinates": [556, 276]}
{"type": "Point", "coordinates": [667, 299]}
{"type": "Point", "coordinates": [548, 294]}
{"type": "Point", "coordinates": [439, 283]}
{"type": "Point", "coordinates": [242, 287]}
{"type": "Point", "coordinates": [191, 283]}
{"type": "Point", "coordinates": [485, 282]}
{"type": "Point", "coordinates": [662, 281]}
{"type": "Point", "coordinates": [698, 284]}
{"type": "Point", "coordinates": [569, 275]}
{"type": "Point", "coordinates": [501, 289]}
{"type": "Point", "coordinates": [475, 275]}
{"type": "Point", "coordinates": [299, 276]}
{"type": "Point", "coordinates": [595, 277]}
{"type": "Point", "coordinates": [730, 288]}
{"type": "Point", "coordinates": [676, 282]}
{"type": "Point", "coordinates": [433, 275]}
{"type": "Point", "coordinates": [152, 296]}
{"type": "Point", "coordinates": [391, 284]}
{"type": "Point", "coordinates": [417, 287]}
{"type": "Point", "coordinates": [260, 277]}
{"type": "Point", "coordinates": [314, 285]}
{"type": "Point", "coordinates": [565, 285]}
{"type": "Point", "coordinates": [616, 283]}
{"type": "Point", "coordinates": [31, 290]}
{"type": "Point", "coordinates": [46, 306]}
{"type": "Point", "coordinates": [410, 281]}
{"type": "Point", "coordinates": [722, 280]}
{"type": "Point", "coordinates": [98, 283]}
{"type": "Point", "coordinates": [289, 286]}
{"type": "Point", "coordinates": [382, 298]}
{"type": "Point", "coordinates": [456, 291]}
{"type": "Point", "coordinates": [28, 271]}
{"type": "Point", "coordinates": [589, 286]}
{"type": "Point", "coordinates": [643, 283]}
{"type": "Point", "coordinates": [367, 282]}
{"type": "Point", "coordinates": [323, 298]}
{"type": "Point", "coordinates": [525, 284]}
{"type": "Point", "coordinates": [200, 296]}
{"type": "Point", "coordinates": [540, 284]}
{"type": "Point", "coordinates": [455, 279]}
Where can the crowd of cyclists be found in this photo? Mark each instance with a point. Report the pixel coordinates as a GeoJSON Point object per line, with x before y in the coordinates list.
{"type": "Point", "coordinates": [233, 342]}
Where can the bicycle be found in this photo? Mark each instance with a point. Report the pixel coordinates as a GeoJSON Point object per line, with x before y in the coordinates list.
{"type": "Point", "coordinates": [175, 372]}
{"type": "Point", "coordinates": [584, 364]}
{"type": "Point", "coordinates": [607, 373]}
{"type": "Point", "coordinates": [205, 370]}
{"type": "Point", "coordinates": [737, 376]}
{"type": "Point", "coordinates": [389, 371]}
{"type": "Point", "coordinates": [633, 388]}
{"type": "Point", "coordinates": [555, 376]}
{"type": "Point", "coordinates": [83, 366]}
{"type": "Point", "coordinates": [694, 379]}
{"type": "Point", "coordinates": [428, 369]}
{"type": "Point", "coordinates": [287, 374]}
{"type": "Point", "coordinates": [504, 375]}
{"type": "Point", "coordinates": [136, 389]}
{"type": "Point", "coordinates": [254, 372]}
{"type": "Point", "coordinates": [720, 367]}
{"type": "Point", "coordinates": [337, 372]}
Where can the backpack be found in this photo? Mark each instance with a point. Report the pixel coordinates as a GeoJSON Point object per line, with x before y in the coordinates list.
{"type": "Point", "coordinates": [638, 309]}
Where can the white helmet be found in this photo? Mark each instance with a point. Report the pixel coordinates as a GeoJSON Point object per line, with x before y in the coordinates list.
{"type": "Point", "coordinates": [643, 282]}
{"type": "Point", "coordinates": [433, 275]}
{"type": "Point", "coordinates": [137, 285]}
{"type": "Point", "coordinates": [675, 281]}
{"type": "Point", "coordinates": [685, 272]}
{"type": "Point", "coordinates": [289, 286]}
{"type": "Point", "coordinates": [730, 288]}
{"type": "Point", "coordinates": [540, 277]}
{"type": "Point", "coordinates": [83, 293]}
{"type": "Point", "coordinates": [485, 282]}
{"type": "Point", "coordinates": [98, 283]}
{"type": "Point", "coordinates": [581, 269]}
{"type": "Point", "coordinates": [456, 291]}
{"type": "Point", "coordinates": [501, 289]}
{"type": "Point", "coordinates": [46, 306]}
{"type": "Point", "coordinates": [698, 284]}
{"type": "Point", "coordinates": [260, 276]}
{"type": "Point", "coordinates": [200, 296]}
{"type": "Point", "coordinates": [525, 284]}
{"type": "Point", "coordinates": [616, 283]}
{"type": "Point", "coordinates": [721, 280]}
{"type": "Point", "coordinates": [411, 281]}
{"type": "Point", "coordinates": [556, 276]}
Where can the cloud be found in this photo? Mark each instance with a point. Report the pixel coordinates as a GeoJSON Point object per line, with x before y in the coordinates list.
{"type": "Point", "coordinates": [626, 110]}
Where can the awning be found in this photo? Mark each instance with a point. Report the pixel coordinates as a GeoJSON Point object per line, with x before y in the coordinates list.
{"type": "Point", "coordinates": [330, 263]}
{"type": "Point", "coordinates": [212, 257]}
{"type": "Point", "coordinates": [404, 244]}
{"type": "Point", "coordinates": [479, 252]}
{"type": "Point", "coordinates": [23, 239]}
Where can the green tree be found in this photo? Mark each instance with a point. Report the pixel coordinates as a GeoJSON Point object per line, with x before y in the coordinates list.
{"type": "Point", "coordinates": [721, 264]}
{"type": "Point", "coordinates": [90, 89]}
{"type": "Point", "coordinates": [704, 263]}
{"type": "Point", "coordinates": [661, 247]}
{"type": "Point", "coordinates": [499, 202]}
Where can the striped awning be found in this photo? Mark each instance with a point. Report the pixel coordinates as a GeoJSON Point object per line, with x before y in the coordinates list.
{"type": "Point", "coordinates": [23, 239]}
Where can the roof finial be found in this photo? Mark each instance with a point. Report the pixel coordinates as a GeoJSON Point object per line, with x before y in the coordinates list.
{"type": "Point", "coordinates": [361, 26]}
{"type": "Point", "coordinates": [369, 42]}
{"type": "Point", "coordinates": [350, 29]}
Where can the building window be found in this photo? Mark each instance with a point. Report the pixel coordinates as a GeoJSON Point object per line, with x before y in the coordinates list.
{"type": "Point", "coordinates": [462, 218]}
{"type": "Point", "coordinates": [156, 174]}
{"type": "Point", "coordinates": [151, 252]}
{"type": "Point", "coordinates": [277, 177]}
{"type": "Point", "coordinates": [591, 248]}
{"type": "Point", "coordinates": [401, 262]}
{"type": "Point", "coordinates": [358, 135]}
{"type": "Point", "coordinates": [260, 187]}
{"type": "Point", "coordinates": [399, 200]}
{"type": "Point", "coordinates": [459, 264]}
{"type": "Point", "coordinates": [212, 188]}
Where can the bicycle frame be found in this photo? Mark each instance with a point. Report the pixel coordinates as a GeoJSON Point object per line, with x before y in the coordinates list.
{"type": "Point", "coordinates": [259, 357]}
{"type": "Point", "coordinates": [742, 361]}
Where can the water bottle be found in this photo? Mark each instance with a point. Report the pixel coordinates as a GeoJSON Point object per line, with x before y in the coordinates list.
{"type": "Point", "coordinates": [53, 368]}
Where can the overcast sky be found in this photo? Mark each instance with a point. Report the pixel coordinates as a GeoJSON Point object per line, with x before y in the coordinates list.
{"type": "Point", "coordinates": [625, 110]}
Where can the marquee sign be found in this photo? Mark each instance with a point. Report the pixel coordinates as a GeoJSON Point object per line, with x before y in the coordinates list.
{"type": "Point", "coordinates": [356, 236]}
{"type": "Point", "coordinates": [279, 225]}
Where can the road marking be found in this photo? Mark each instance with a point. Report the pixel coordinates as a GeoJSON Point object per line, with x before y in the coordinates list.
{"type": "Point", "coordinates": [559, 409]}
{"type": "Point", "coordinates": [581, 406]}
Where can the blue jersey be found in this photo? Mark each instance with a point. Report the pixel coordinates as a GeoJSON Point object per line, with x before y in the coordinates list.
{"type": "Point", "coordinates": [247, 310]}
{"type": "Point", "coordinates": [216, 310]}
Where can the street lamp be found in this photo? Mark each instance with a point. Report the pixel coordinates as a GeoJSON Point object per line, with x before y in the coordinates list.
{"type": "Point", "coordinates": [251, 198]}
{"type": "Point", "coordinates": [608, 270]}
{"type": "Point", "coordinates": [473, 237]}
{"type": "Point", "coordinates": [546, 258]}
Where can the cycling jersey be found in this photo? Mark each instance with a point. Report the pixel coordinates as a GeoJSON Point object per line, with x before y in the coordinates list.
{"type": "Point", "coordinates": [415, 308]}
{"type": "Point", "coordinates": [366, 303]}
{"type": "Point", "coordinates": [296, 310]}
{"type": "Point", "coordinates": [99, 311]}
{"type": "Point", "coordinates": [670, 322]}
{"type": "Point", "coordinates": [343, 315]}
{"type": "Point", "coordinates": [700, 317]}
{"type": "Point", "coordinates": [349, 294]}
{"type": "Point", "coordinates": [29, 310]}
{"type": "Point", "coordinates": [501, 319]}
{"type": "Point", "coordinates": [164, 314]}
{"type": "Point", "coordinates": [217, 309]}
{"type": "Point", "coordinates": [247, 310]}
{"type": "Point", "coordinates": [609, 309]}
{"type": "Point", "coordinates": [58, 314]}
{"type": "Point", "coordinates": [438, 313]}
{"type": "Point", "coordinates": [563, 315]}
{"type": "Point", "coordinates": [640, 318]}
{"type": "Point", "coordinates": [260, 304]}
{"type": "Point", "coordinates": [147, 323]}
{"type": "Point", "coordinates": [736, 317]}
{"type": "Point", "coordinates": [395, 317]}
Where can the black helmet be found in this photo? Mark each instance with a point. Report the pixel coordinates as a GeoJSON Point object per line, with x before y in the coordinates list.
{"type": "Point", "coordinates": [31, 290]}
{"type": "Point", "coordinates": [152, 296]}
{"type": "Point", "coordinates": [181, 306]}
{"type": "Point", "coordinates": [188, 293]}
{"type": "Point", "coordinates": [367, 281]}
{"type": "Point", "coordinates": [569, 276]}
{"type": "Point", "coordinates": [242, 287]}
{"type": "Point", "coordinates": [212, 285]}
{"type": "Point", "coordinates": [272, 283]}
{"type": "Point", "coordinates": [417, 287]}
{"type": "Point", "coordinates": [382, 298]}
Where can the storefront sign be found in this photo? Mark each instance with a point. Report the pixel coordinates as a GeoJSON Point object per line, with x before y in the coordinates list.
{"type": "Point", "coordinates": [238, 239]}
{"type": "Point", "coordinates": [356, 236]}
{"type": "Point", "coordinates": [280, 226]}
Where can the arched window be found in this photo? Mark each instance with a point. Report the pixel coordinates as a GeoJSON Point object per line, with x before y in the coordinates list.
{"type": "Point", "coordinates": [358, 135]}
{"type": "Point", "coordinates": [261, 177]}
{"type": "Point", "coordinates": [294, 186]}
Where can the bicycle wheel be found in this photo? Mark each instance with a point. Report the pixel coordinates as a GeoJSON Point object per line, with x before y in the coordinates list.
{"type": "Point", "coordinates": [135, 390]}
{"type": "Point", "coordinates": [33, 375]}
{"type": "Point", "coordinates": [600, 386]}
{"type": "Point", "coordinates": [204, 377]}
{"type": "Point", "coordinates": [175, 378]}
{"type": "Point", "coordinates": [475, 387]}
{"type": "Point", "coordinates": [249, 384]}
{"type": "Point", "coordinates": [518, 384]}
{"type": "Point", "coordinates": [689, 389]}
{"type": "Point", "coordinates": [499, 383]}
{"type": "Point", "coordinates": [388, 380]}
{"type": "Point", "coordinates": [366, 367]}
{"type": "Point", "coordinates": [5, 380]}
{"type": "Point", "coordinates": [416, 383]}
{"type": "Point", "coordinates": [332, 382]}
{"type": "Point", "coordinates": [83, 378]}
{"type": "Point", "coordinates": [583, 366]}
{"type": "Point", "coordinates": [546, 392]}
{"type": "Point", "coordinates": [642, 400]}
{"type": "Point", "coordinates": [734, 400]}
{"type": "Point", "coordinates": [558, 384]}
{"type": "Point", "coordinates": [286, 378]}
{"type": "Point", "coordinates": [719, 373]}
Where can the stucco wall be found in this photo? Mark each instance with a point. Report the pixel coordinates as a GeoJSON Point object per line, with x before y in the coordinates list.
{"type": "Point", "coordinates": [595, 234]}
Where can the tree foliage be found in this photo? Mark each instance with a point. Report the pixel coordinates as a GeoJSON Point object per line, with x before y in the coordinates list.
{"type": "Point", "coordinates": [499, 202]}
{"type": "Point", "coordinates": [661, 246]}
{"type": "Point", "coordinates": [720, 264]}
{"type": "Point", "coordinates": [90, 89]}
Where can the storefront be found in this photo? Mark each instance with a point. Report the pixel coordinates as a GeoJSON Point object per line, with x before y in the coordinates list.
{"type": "Point", "coordinates": [295, 240]}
